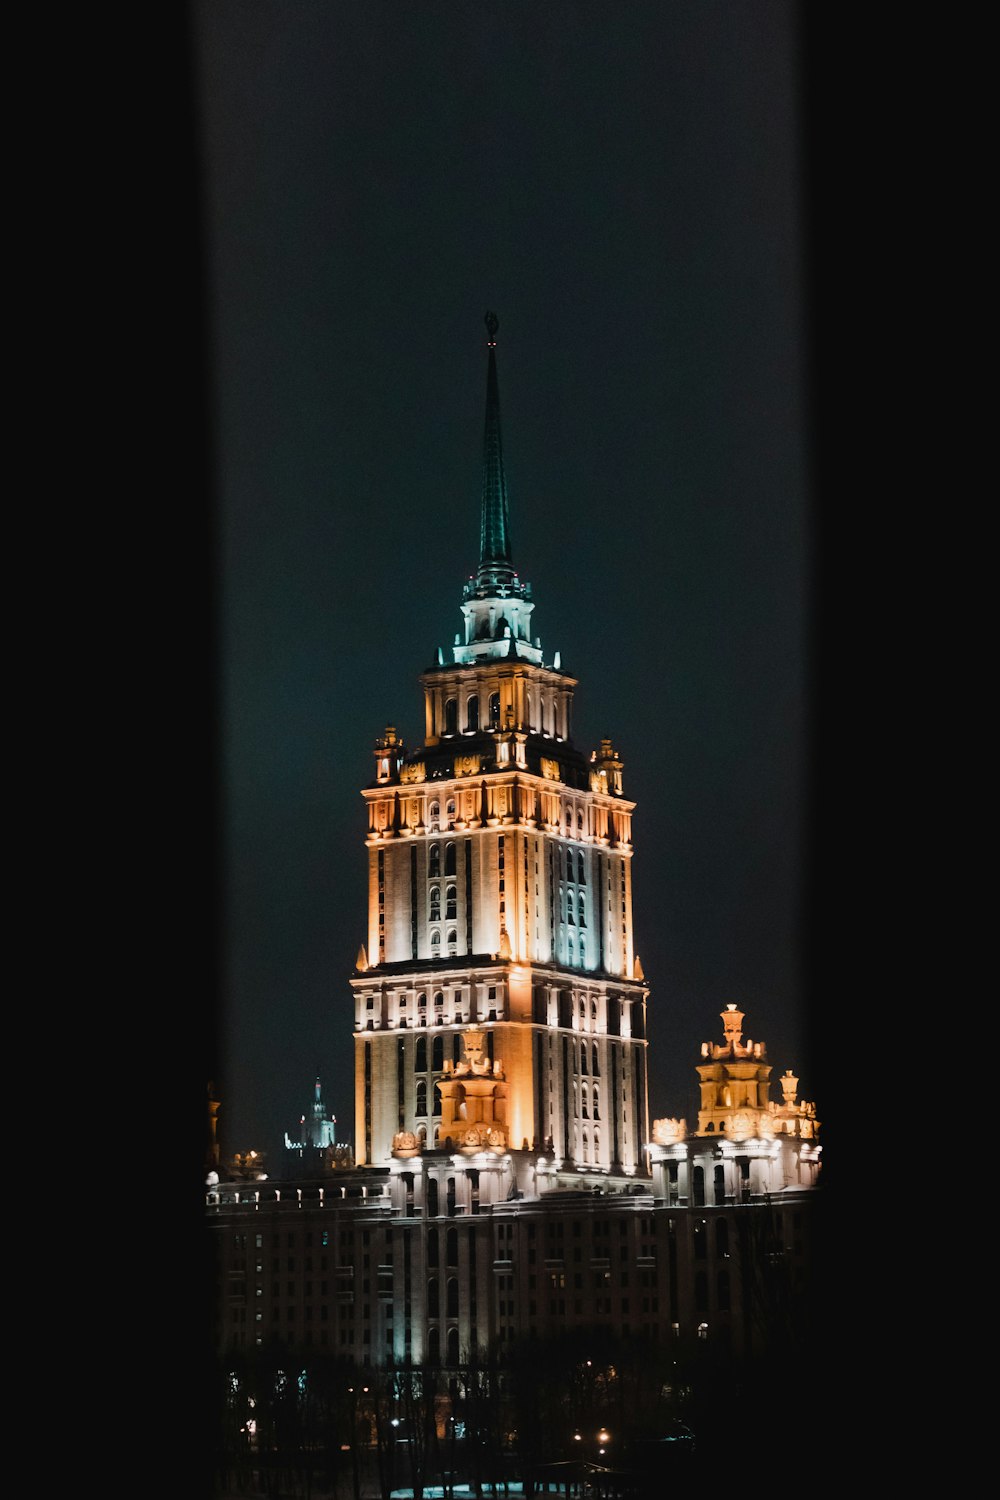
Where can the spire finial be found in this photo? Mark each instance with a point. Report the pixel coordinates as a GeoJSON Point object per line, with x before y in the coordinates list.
{"type": "Point", "coordinates": [494, 549]}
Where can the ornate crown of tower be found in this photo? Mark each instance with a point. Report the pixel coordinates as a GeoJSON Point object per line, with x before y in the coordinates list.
{"type": "Point", "coordinates": [499, 896]}
{"type": "Point", "coordinates": [735, 1088]}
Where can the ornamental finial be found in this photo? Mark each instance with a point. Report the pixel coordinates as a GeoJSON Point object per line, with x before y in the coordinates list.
{"type": "Point", "coordinates": [492, 324]}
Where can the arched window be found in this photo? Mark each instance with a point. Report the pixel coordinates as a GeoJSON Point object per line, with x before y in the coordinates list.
{"type": "Point", "coordinates": [435, 943]}
{"type": "Point", "coordinates": [571, 953]}
{"type": "Point", "coordinates": [422, 1002]}
{"type": "Point", "coordinates": [453, 946]}
{"type": "Point", "coordinates": [593, 1010]}
{"type": "Point", "coordinates": [579, 868]}
{"type": "Point", "coordinates": [437, 1054]}
{"type": "Point", "coordinates": [494, 710]}
{"type": "Point", "coordinates": [597, 1143]}
{"type": "Point", "coordinates": [597, 1102]}
{"type": "Point", "coordinates": [583, 1057]}
{"type": "Point", "coordinates": [586, 1148]}
{"type": "Point", "coordinates": [585, 1102]}
{"type": "Point", "coordinates": [699, 1188]}
{"type": "Point", "coordinates": [451, 1307]}
{"type": "Point", "coordinates": [434, 909]}
{"type": "Point", "coordinates": [472, 715]}
{"type": "Point", "coordinates": [569, 864]}
{"type": "Point", "coordinates": [437, 1107]}
{"type": "Point", "coordinates": [434, 861]}
{"type": "Point", "coordinates": [449, 853]}
{"type": "Point", "coordinates": [595, 1064]}
{"type": "Point", "coordinates": [433, 1306]}
{"type": "Point", "coordinates": [434, 815]}
{"type": "Point", "coordinates": [432, 1246]}
{"type": "Point", "coordinates": [450, 810]}
{"type": "Point", "coordinates": [451, 716]}
{"type": "Point", "coordinates": [581, 909]}
{"type": "Point", "coordinates": [452, 1347]}
{"type": "Point", "coordinates": [451, 904]}
{"type": "Point", "coordinates": [579, 820]}
{"type": "Point", "coordinates": [432, 1198]}
{"type": "Point", "coordinates": [421, 1063]}
{"type": "Point", "coordinates": [719, 1184]}
{"type": "Point", "coordinates": [421, 1098]}
{"type": "Point", "coordinates": [452, 1247]}
{"type": "Point", "coordinates": [433, 1347]}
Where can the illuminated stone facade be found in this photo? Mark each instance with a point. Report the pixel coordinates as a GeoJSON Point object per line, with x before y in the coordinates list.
{"type": "Point", "coordinates": [746, 1146]}
{"type": "Point", "coordinates": [437, 1257]}
{"type": "Point", "coordinates": [500, 897]}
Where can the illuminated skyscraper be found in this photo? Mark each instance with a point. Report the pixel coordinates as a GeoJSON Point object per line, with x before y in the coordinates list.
{"type": "Point", "coordinates": [500, 1008]}
{"type": "Point", "coordinates": [508, 1185]}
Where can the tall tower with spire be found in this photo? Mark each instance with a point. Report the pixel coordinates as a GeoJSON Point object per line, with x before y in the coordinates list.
{"type": "Point", "coordinates": [500, 1007]}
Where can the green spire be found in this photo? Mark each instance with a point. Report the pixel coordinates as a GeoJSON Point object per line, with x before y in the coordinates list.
{"type": "Point", "coordinates": [494, 546]}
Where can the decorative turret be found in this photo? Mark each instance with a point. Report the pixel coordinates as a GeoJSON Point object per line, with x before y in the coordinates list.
{"type": "Point", "coordinates": [734, 1084]}
{"type": "Point", "coordinates": [606, 770]}
{"type": "Point", "coordinates": [389, 752]}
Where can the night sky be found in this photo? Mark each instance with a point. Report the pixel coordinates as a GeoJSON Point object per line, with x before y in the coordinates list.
{"type": "Point", "coordinates": [624, 184]}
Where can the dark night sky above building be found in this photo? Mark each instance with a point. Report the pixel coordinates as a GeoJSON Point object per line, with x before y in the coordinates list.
{"type": "Point", "coordinates": [623, 184]}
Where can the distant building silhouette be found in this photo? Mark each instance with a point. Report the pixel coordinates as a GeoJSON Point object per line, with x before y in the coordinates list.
{"type": "Point", "coordinates": [315, 1132]}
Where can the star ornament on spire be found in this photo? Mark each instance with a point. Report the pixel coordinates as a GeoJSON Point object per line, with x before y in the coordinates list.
{"type": "Point", "coordinates": [492, 324]}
